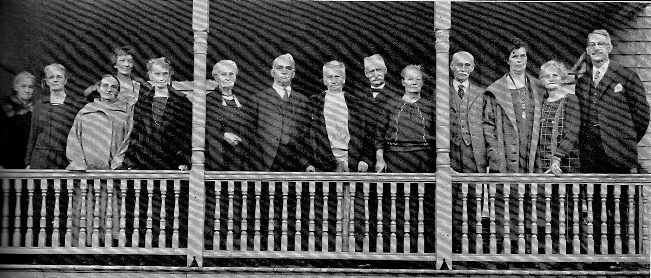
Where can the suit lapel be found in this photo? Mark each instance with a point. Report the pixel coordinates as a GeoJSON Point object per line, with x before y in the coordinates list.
{"type": "Point", "coordinates": [608, 77]}
{"type": "Point", "coordinates": [274, 99]}
{"type": "Point", "coordinates": [473, 93]}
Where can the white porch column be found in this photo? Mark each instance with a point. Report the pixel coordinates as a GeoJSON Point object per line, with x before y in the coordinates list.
{"type": "Point", "coordinates": [197, 200]}
{"type": "Point", "coordinates": [442, 26]}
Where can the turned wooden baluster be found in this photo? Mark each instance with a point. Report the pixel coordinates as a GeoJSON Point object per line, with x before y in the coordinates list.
{"type": "Point", "coordinates": [521, 241]}
{"type": "Point", "coordinates": [479, 228]}
{"type": "Point", "coordinates": [175, 224]}
{"type": "Point", "coordinates": [108, 230]}
{"type": "Point", "coordinates": [135, 236]}
{"type": "Point", "coordinates": [492, 241]}
{"type": "Point", "coordinates": [244, 235]}
{"type": "Point", "coordinates": [407, 226]}
{"type": "Point", "coordinates": [217, 236]}
{"type": "Point", "coordinates": [631, 219]}
{"type": "Point", "coordinates": [576, 243]}
{"type": "Point", "coordinates": [324, 220]}
{"type": "Point", "coordinates": [421, 218]}
{"type": "Point", "coordinates": [618, 227]}
{"type": "Point", "coordinates": [150, 204]}
{"type": "Point", "coordinates": [297, 234]}
{"type": "Point", "coordinates": [379, 246]}
{"type": "Point", "coordinates": [548, 219]}
{"type": "Point", "coordinates": [339, 217]}
{"type": "Point", "coordinates": [123, 214]}
{"type": "Point", "coordinates": [534, 219]}
{"type": "Point", "coordinates": [367, 226]}
{"type": "Point", "coordinates": [55, 224]}
{"type": "Point", "coordinates": [162, 235]}
{"type": "Point", "coordinates": [272, 224]}
{"type": "Point", "coordinates": [351, 217]}
{"type": "Point", "coordinates": [393, 240]}
{"type": "Point", "coordinates": [284, 225]}
{"type": "Point", "coordinates": [562, 240]}
{"type": "Point", "coordinates": [507, 220]}
{"type": "Point", "coordinates": [590, 218]}
{"type": "Point", "coordinates": [311, 240]}
{"type": "Point", "coordinates": [604, 218]}
{"type": "Point", "coordinates": [4, 233]}
{"type": "Point", "coordinates": [464, 219]}
{"type": "Point", "coordinates": [231, 215]}
{"type": "Point", "coordinates": [43, 218]}
{"type": "Point", "coordinates": [68, 236]}
{"type": "Point", "coordinates": [257, 223]}
{"type": "Point", "coordinates": [94, 236]}
{"type": "Point", "coordinates": [29, 235]}
{"type": "Point", "coordinates": [16, 236]}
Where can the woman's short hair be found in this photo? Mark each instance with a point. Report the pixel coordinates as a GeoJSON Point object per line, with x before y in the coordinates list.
{"type": "Point", "coordinates": [335, 65]}
{"type": "Point", "coordinates": [418, 68]}
{"type": "Point", "coordinates": [225, 63]}
{"type": "Point", "coordinates": [111, 76]}
{"type": "Point", "coordinates": [121, 51]}
{"type": "Point", "coordinates": [555, 65]}
{"type": "Point", "coordinates": [514, 44]}
{"type": "Point", "coordinates": [22, 75]}
{"type": "Point", "coordinates": [162, 61]}
{"type": "Point", "coordinates": [55, 66]}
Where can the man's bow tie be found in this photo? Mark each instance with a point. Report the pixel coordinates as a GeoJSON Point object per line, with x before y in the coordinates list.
{"type": "Point", "coordinates": [376, 90]}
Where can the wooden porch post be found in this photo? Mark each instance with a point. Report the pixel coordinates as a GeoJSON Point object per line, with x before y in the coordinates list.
{"type": "Point", "coordinates": [197, 200]}
{"type": "Point", "coordinates": [442, 25]}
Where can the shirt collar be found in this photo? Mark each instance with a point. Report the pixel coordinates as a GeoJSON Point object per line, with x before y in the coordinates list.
{"type": "Point", "coordinates": [57, 97]}
{"type": "Point", "coordinates": [601, 69]}
{"type": "Point", "coordinates": [456, 83]}
{"type": "Point", "coordinates": [279, 89]}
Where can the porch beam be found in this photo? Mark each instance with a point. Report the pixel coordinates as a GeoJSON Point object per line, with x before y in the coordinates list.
{"type": "Point", "coordinates": [442, 24]}
{"type": "Point", "coordinates": [196, 204]}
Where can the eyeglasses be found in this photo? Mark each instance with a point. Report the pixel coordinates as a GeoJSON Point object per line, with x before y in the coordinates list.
{"type": "Point", "coordinates": [592, 45]}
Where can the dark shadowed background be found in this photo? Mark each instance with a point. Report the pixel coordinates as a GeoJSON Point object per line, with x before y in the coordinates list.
{"type": "Point", "coordinates": [81, 33]}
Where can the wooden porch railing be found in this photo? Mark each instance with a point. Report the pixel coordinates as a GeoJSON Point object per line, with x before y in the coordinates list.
{"type": "Point", "coordinates": [496, 217]}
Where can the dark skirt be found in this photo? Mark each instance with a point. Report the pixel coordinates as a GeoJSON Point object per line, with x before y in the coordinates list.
{"type": "Point", "coordinates": [419, 161]}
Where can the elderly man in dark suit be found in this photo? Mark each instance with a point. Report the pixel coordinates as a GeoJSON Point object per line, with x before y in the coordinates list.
{"type": "Point", "coordinates": [338, 132]}
{"type": "Point", "coordinates": [376, 95]}
{"type": "Point", "coordinates": [281, 123]}
{"type": "Point", "coordinates": [614, 111]}
{"type": "Point", "coordinates": [467, 144]}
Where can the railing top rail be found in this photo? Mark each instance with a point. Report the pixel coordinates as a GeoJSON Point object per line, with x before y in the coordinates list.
{"type": "Point", "coordinates": [95, 174]}
{"type": "Point", "coordinates": [322, 176]}
{"type": "Point", "coordinates": [549, 178]}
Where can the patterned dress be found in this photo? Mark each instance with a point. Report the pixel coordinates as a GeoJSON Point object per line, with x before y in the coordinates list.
{"type": "Point", "coordinates": [556, 125]}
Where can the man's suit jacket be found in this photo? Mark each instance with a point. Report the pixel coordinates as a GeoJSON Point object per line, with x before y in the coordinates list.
{"type": "Point", "coordinates": [475, 97]}
{"type": "Point", "coordinates": [360, 139]}
{"type": "Point", "coordinates": [275, 121]}
{"type": "Point", "coordinates": [622, 110]}
{"type": "Point", "coordinates": [150, 150]}
{"type": "Point", "coordinates": [372, 111]}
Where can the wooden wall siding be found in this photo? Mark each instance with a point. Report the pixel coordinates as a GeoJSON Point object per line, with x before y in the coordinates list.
{"type": "Point", "coordinates": [633, 50]}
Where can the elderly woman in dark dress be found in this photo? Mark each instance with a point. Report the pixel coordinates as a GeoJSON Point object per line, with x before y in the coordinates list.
{"type": "Point", "coordinates": [406, 141]}
{"type": "Point", "coordinates": [51, 122]}
{"type": "Point", "coordinates": [16, 119]}
{"type": "Point", "coordinates": [228, 123]}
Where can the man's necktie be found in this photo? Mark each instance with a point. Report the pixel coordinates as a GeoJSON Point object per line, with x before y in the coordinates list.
{"type": "Point", "coordinates": [285, 93]}
{"type": "Point", "coordinates": [461, 91]}
{"type": "Point", "coordinates": [597, 76]}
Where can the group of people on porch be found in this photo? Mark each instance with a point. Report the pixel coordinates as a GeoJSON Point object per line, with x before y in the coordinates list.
{"type": "Point", "coordinates": [518, 124]}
